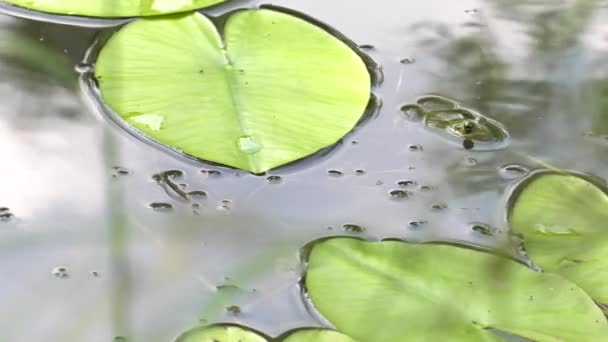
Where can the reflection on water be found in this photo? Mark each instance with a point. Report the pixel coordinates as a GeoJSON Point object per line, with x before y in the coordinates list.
{"type": "Point", "coordinates": [80, 195]}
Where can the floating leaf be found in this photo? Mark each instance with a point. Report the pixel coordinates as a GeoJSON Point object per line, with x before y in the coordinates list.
{"type": "Point", "coordinates": [113, 8]}
{"type": "Point", "coordinates": [563, 219]}
{"type": "Point", "coordinates": [275, 89]}
{"type": "Point", "coordinates": [316, 335]}
{"type": "Point", "coordinates": [394, 291]}
{"type": "Point", "coordinates": [235, 333]}
{"type": "Point", "coordinates": [221, 333]}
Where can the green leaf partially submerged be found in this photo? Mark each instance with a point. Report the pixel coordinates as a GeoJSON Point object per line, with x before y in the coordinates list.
{"type": "Point", "coordinates": [113, 8]}
{"type": "Point", "coordinates": [563, 219]}
{"type": "Point", "coordinates": [394, 291]}
{"type": "Point", "coordinates": [273, 90]}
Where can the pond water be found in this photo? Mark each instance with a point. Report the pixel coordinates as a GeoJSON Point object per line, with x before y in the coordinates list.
{"type": "Point", "coordinates": [101, 243]}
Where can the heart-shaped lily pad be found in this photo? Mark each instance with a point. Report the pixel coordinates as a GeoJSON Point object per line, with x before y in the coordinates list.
{"type": "Point", "coordinates": [272, 89]}
{"type": "Point", "coordinates": [235, 333]}
{"type": "Point", "coordinates": [395, 291]}
{"type": "Point", "coordinates": [113, 8]}
{"type": "Point", "coordinates": [563, 219]}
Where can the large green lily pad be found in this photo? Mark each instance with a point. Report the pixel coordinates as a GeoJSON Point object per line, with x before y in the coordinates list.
{"type": "Point", "coordinates": [563, 219]}
{"type": "Point", "coordinates": [394, 291]}
{"type": "Point", "coordinates": [221, 333]}
{"type": "Point", "coordinates": [272, 89]}
{"type": "Point", "coordinates": [316, 335]}
{"type": "Point", "coordinates": [113, 8]}
{"type": "Point", "coordinates": [234, 333]}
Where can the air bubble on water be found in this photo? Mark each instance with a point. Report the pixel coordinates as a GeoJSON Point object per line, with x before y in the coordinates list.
{"type": "Point", "coordinates": [212, 173]}
{"type": "Point", "coordinates": [5, 216]}
{"type": "Point", "coordinates": [483, 229]}
{"type": "Point", "coordinates": [414, 148]}
{"type": "Point", "coordinates": [120, 339]}
{"type": "Point", "coordinates": [197, 194]}
{"type": "Point", "coordinates": [417, 224]}
{"type": "Point", "coordinates": [360, 172]}
{"type": "Point", "coordinates": [161, 206]}
{"type": "Point", "coordinates": [274, 179]}
{"type": "Point", "coordinates": [471, 11]}
{"type": "Point", "coordinates": [248, 145]}
{"type": "Point", "coordinates": [95, 274]}
{"type": "Point", "coordinates": [398, 194]}
{"type": "Point", "coordinates": [335, 173]}
{"type": "Point", "coordinates": [60, 272]}
{"type": "Point", "coordinates": [225, 205]}
{"type": "Point", "coordinates": [439, 206]}
{"type": "Point", "coordinates": [379, 183]}
{"type": "Point", "coordinates": [406, 183]}
{"type": "Point", "coordinates": [367, 47]}
{"type": "Point", "coordinates": [195, 206]}
{"type": "Point", "coordinates": [353, 228]}
{"type": "Point", "coordinates": [426, 188]}
{"type": "Point", "coordinates": [119, 171]}
{"type": "Point", "coordinates": [408, 60]}
{"type": "Point", "coordinates": [234, 310]}
{"type": "Point", "coordinates": [470, 162]}
{"type": "Point", "coordinates": [83, 68]}
{"type": "Point", "coordinates": [512, 171]}
{"type": "Point", "coordinates": [153, 121]}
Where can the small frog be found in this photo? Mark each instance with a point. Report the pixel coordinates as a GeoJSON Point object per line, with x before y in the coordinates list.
{"type": "Point", "coordinates": [458, 123]}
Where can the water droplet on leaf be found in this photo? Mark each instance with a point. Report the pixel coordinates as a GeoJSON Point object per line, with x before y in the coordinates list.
{"type": "Point", "coordinates": [153, 121]}
{"type": "Point", "coordinates": [555, 230]}
{"type": "Point", "coordinates": [248, 145]}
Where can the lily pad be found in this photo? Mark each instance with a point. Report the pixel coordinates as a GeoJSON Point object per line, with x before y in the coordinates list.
{"type": "Point", "coordinates": [235, 333]}
{"type": "Point", "coordinates": [272, 88]}
{"type": "Point", "coordinates": [395, 291]}
{"type": "Point", "coordinates": [221, 333]}
{"type": "Point", "coordinates": [113, 8]}
{"type": "Point", "coordinates": [316, 335]}
{"type": "Point", "coordinates": [563, 219]}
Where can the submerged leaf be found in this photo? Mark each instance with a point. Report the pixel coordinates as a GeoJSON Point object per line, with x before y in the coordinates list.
{"type": "Point", "coordinates": [563, 219]}
{"type": "Point", "coordinates": [394, 291]}
{"type": "Point", "coordinates": [271, 90]}
{"type": "Point", "coordinates": [113, 8]}
{"type": "Point", "coordinates": [221, 333]}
